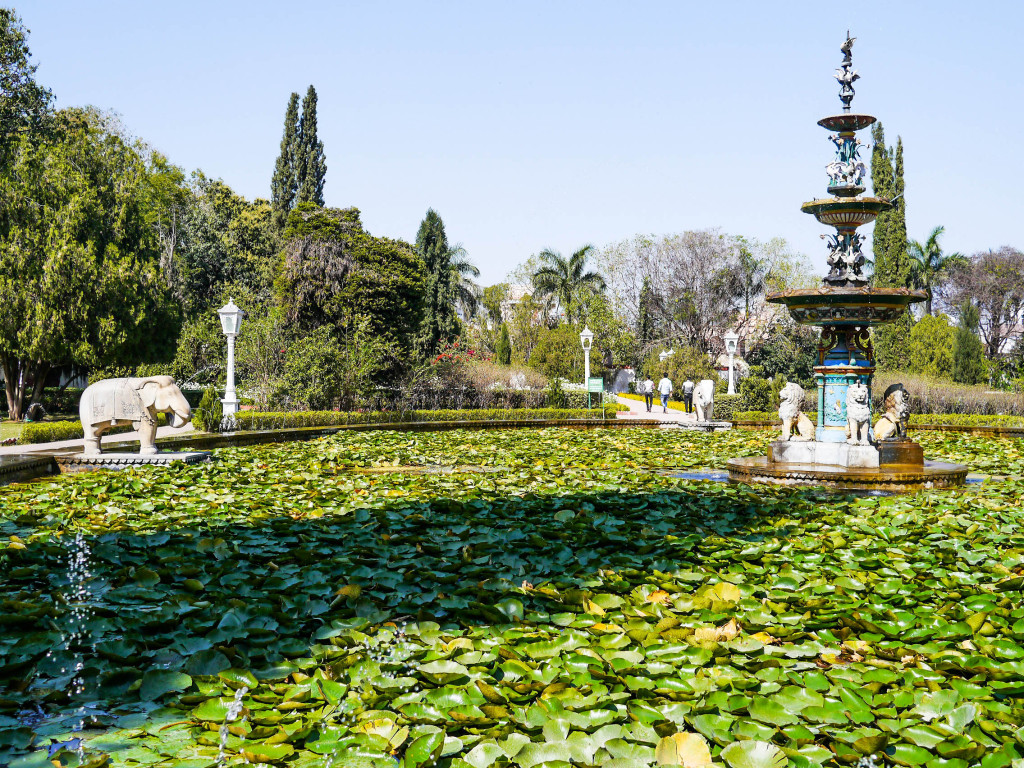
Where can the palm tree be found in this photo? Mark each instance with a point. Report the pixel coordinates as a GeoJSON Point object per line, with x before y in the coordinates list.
{"type": "Point", "coordinates": [462, 270]}
{"type": "Point", "coordinates": [564, 279]}
{"type": "Point", "coordinates": [930, 264]}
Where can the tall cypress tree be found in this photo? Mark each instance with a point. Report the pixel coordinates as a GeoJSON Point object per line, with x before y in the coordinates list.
{"type": "Point", "coordinates": [889, 243]}
{"type": "Point", "coordinates": [440, 322]}
{"type": "Point", "coordinates": [285, 185]}
{"type": "Point", "coordinates": [311, 164]}
{"type": "Point", "coordinates": [882, 185]}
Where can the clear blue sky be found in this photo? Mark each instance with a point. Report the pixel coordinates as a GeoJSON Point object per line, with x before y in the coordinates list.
{"type": "Point", "coordinates": [550, 124]}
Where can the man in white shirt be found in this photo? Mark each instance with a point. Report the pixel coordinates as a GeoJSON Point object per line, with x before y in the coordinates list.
{"type": "Point", "coordinates": [647, 387]}
{"type": "Point", "coordinates": [665, 388]}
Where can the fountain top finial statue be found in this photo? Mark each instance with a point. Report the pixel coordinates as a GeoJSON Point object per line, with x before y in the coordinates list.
{"type": "Point", "coordinates": [846, 74]}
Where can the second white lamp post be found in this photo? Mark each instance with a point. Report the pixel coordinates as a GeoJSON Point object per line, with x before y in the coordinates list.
{"type": "Point", "coordinates": [731, 339]}
{"type": "Point", "coordinates": [231, 324]}
{"type": "Point", "coordinates": [586, 339]}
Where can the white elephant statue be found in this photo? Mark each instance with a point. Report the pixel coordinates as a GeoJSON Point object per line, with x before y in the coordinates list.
{"type": "Point", "coordinates": [114, 402]}
{"type": "Point", "coordinates": [704, 400]}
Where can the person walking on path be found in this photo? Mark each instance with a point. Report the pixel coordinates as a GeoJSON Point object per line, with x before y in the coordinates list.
{"type": "Point", "coordinates": [688, 395]}
{"type": "Point", "coordinates": [647, 387]}
{"type": "Point", "coordinates": [665, 388]}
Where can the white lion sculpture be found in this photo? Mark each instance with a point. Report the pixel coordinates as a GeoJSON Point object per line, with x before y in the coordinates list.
{"type": "Point", "coordinates": [858, 415]}
{"type": "Point", "coordinates": [893, 423]}
{"type": "Point", "coordinates": [793, 418]}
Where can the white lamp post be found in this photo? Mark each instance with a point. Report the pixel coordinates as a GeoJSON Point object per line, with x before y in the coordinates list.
{"type": "Point", "coordinates": [586, 339]}
{"type": "Point", "coordinates": [231, 324]}
{"type": "Point", "coordinates": [730, 346]}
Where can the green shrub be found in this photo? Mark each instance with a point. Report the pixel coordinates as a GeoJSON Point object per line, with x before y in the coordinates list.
{"type": "Point", "coordinates": [555, 396]}
{"type": "Point", "coordinates": [757, 394]}
{"type": "Point", "coordinates": [726, 406]}
{"type": "Point", "coordinates": [50, 431]}
{"type": "Point", "coordinates": [209, 415]}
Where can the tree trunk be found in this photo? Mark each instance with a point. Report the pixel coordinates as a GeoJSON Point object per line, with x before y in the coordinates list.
{"type": "Point", "coordinates": [39, 382]}
{"type": "Point", "coordinates": [13, 387]}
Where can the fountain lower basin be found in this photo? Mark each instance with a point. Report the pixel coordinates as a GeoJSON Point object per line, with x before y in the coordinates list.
{"type": "Point", "coordinates": [892, 478]}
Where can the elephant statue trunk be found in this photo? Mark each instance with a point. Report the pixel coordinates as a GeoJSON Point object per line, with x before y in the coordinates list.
{"type": "Point", "coordinates": [137, 401]}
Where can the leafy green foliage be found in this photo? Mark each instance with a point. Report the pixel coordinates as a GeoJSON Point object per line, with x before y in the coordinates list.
{"type": "Point", "coordinates": [503, 350]}
{"type": "Point", "coordinates": [968, 351]}
{"type": "Point", "coordinates": [685, 363]}
{"type": "Point", "coordinates": [931, 347]}
{"type": "Point", "coordinates": [312, 370]}
{"type": "Point", "coordinates": [334, 273]}
{"type": "Point", "coordinates": [791, 352]}
{"type": "Point", "coordinates": [558, 353]}
{"type": "Point", "coordinates": [23, 102]}
{"type": "Point", "coordinates": [79, 266]}
{"type": "Point", "coordinates": [756, 391]}
{"type": "Point", "coordinates": [210, 413]}
{"type": "Point", "coordinates": [550, 601]}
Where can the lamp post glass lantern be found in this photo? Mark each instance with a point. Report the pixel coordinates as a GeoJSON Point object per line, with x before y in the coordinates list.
{"type": "Point", "coordinates": [586, 339]}
{"type": "Point", "coordinates": [731, 340]}
{"type": "Point", "coordinates": [231, 324]}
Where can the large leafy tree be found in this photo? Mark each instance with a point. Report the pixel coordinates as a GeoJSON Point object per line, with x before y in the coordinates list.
{"type": "Point", "coordinates": [565, 280]}
{"type": "Point", "coordinates": [226, 242]}
{"type": "Point", "coordinates": [24, 104]}
{"type": "Point", "coordinates": [79, 261]}
{"type": "Point", "coordinates": [929, 264]}
{"type": "Point", "coordinates": [992, 282]}
{"type": "Point", "coordinates": [333, 273]}
{"type": "Point", "coordinates": [285, 185]}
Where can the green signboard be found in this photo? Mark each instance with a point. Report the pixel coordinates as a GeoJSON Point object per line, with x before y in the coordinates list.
{"type": "Point", "coordinates": [595, 384]}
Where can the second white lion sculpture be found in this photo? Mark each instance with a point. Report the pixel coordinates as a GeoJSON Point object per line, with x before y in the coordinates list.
{"type": "Point", "coordinates": [893, 424]}
{"type": "Point", "coordinates": [795, 424]}
{"type": "Point", "coordinates": [858, 415]}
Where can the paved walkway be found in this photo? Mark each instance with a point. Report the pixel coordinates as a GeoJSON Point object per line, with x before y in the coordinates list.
{"type": "Point", "coordinates": [637, 410]}
{"type": "Point", "coordinates": [66, 446]}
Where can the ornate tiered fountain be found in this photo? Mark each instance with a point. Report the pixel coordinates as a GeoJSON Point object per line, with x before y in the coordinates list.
{"type": "Point", "coordinates": [842, 451]}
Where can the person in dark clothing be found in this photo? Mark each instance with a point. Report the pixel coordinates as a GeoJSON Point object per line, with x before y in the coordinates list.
{"type": "Point", "coordinates": [688, 395]}
{"type": "Point", "coordinates": [648, 390]}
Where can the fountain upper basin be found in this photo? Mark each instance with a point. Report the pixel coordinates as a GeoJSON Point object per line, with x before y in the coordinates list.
{"type": "Point", "coordinates": [846, 213]}
{"type": "Point", "coordinates": [850, 306]}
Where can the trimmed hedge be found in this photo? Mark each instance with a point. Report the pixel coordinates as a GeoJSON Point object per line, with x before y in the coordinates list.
{"type": "Point", "coordinates": [916, 419]}
{"type": "Point", "coordinates": [253, 420]}
{"type": "Point", "coordinates": [35, 432]}
{"type": "Point", "coordinates": [49, 431]}
{"type": "Point", "coordinates": [726, 406]}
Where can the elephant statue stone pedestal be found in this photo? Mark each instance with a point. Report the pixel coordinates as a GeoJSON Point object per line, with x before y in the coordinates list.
{"type": "Point", "coordinates": [115, 402]}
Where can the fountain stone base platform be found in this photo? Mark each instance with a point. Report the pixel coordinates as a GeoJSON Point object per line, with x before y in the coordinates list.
{"type": "Point", "coordinates": [892, 478]}
{"type": "Point", "coordinates": [81, 462]}
{"type": "Point", "coordinates": [817, 452]}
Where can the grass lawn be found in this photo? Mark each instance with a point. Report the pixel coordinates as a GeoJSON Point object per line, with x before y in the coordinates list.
{"type": "Point", "coordinates": [9, 429]}
{"type": "Point", "coordinates": [514, 597]}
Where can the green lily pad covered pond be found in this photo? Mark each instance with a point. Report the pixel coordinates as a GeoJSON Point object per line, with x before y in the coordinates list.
{"type": "Point", "coordinates": [553, 600]}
